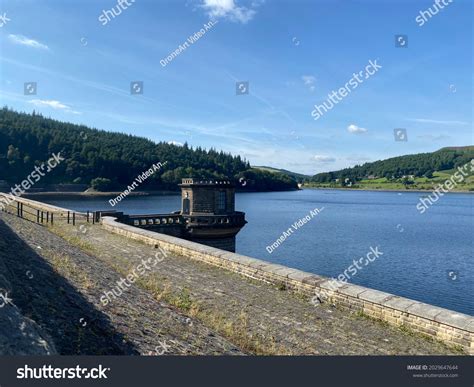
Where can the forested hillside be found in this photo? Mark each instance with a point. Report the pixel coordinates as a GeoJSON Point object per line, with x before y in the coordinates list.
{"type": "Point", "coordinates": [299, 177]}
{"type": "Point", "coordinates": [114, 159]}
{"type": "Point", "coordinates": [417, 165]}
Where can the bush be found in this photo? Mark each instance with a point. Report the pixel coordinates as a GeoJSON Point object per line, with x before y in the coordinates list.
{"type": "Point", "coordinates": [101, 184]}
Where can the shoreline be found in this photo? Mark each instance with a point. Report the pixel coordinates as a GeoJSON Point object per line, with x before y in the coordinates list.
{"type": "Point", "coordinates": [385, 190]}
{"type": "Point", "coordinates": [92, 194]}
{"type": "Point", "coordinates": [95, 194]}
{"type": "Point", "coordinates": [87, 195]}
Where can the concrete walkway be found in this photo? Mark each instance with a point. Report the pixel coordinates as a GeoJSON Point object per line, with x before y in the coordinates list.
{"type": "Point", "coordinates": [179, 307]}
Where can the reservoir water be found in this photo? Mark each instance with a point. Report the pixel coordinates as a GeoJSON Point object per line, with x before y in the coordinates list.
{"type": "Point", "coordinates": [426, 257]}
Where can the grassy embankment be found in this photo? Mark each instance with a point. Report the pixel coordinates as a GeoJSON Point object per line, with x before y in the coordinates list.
{"type": "Point", "coordinates": [417, 183]}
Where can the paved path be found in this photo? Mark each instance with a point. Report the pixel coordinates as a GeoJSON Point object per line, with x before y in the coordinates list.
{"type": "Point", "coordinates": [58, 286]}
{"type": "Point", "coordinates": [194, 307]}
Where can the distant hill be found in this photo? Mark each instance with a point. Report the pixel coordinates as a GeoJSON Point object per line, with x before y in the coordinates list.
{"type": "Point", "coordinates": [458, 148]}
{"type": "Point", "coordinates": [420, 170]}
{"type": "Point", "coordinates": [297, 176]}
{"type": "Point", "coordinates": [111, 161]}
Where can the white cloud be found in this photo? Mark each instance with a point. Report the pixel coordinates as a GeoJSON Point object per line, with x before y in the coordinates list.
{"type": "Point", "coordinates": [177, 143]}
{"type": "Point", "coordinates": [309, 80]}
{"type": "Point", "coordinates": [323, 159]}
{"type": "Point", "coordinates": [229, 9]}
{"type": "Point", "coordinates": [53, 104]}
{"type": "Point", "coordinates": [50, 103]}
{"type": "Point", "coordinates": [356, 129]}
{"type": "Point", "coordinates": [24, 41]}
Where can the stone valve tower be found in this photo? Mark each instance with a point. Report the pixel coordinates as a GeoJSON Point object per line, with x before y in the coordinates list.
{"type": "Point", "coordinates": [208, 210]}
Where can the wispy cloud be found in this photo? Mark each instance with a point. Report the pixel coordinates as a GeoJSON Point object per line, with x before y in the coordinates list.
{"type": "Point", "coordinates": [356, 129]}
{"type": "Point", "coordinates": [323, 159]}
{"type": "Point", "coordinates": [24, 41]}
{"type": "Point", "coordinates": [124, 93]}
{"type": "Point", "coordinates": [50, 103]}
{"type": "Point", "coordinates": [358, 158]}
{"type": "Point", "coordinates": [273, 109]}
{"type": "Point", "coordinates": [53, 104]}
{"type": "Point", "coordinates": [432, 137]}
{"type": "Point", "coordinates": [439, 122]}
{"type": "Point", "coordinates": [230, 10]}
{"type": "Point", "coordinates": [309, 80]}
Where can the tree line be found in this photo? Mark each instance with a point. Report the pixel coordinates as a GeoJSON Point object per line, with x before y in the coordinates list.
{"type": "Point", "coordinates": [111, 160]}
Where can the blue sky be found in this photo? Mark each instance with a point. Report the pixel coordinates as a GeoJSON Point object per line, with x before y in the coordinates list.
{"type": "Point", "coordinates": [292, 53]}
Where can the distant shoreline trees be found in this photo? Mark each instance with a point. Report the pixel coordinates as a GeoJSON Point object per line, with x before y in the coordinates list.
{"type": "Point", "coordinates": [402, 167]}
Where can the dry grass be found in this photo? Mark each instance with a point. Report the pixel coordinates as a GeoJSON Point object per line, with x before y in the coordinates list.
{"type": "Point", "coordinates": [235, 328]}
{"type": "Point", "coordinates": [63, 265]}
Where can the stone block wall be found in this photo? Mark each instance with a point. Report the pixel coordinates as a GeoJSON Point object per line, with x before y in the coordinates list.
{"type": "Point", "coordinates": [451, 327]}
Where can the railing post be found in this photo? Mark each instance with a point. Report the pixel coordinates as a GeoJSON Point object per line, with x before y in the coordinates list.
{"type": "Point", "coordinates": [93, 217]}
{"type": "Point", "coordinates": [37, 216]}
{"type": "Point", "coordinates": [73, 218]}
{"type": "Point", "coordinates": [42, 216]}
{"type": "Point", "coordinates": [47, 216]}
{"type": "Point", "coordinates": [18, 209]}
{"type": "Point", "coordinates": [21, 210]}
{"type": "Point", "coordinates": [52, 218]}
{"type": "Point", "coordinates": [68, 217]}
{"type": "Point", "coordinates": [87, 216]}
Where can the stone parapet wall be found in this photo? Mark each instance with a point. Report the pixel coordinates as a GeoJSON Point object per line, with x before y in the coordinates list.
{"type": "Point", "coordinates": [451, 327]}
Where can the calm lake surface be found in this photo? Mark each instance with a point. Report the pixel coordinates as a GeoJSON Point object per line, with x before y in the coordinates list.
{"type": "Point", "coordinates": [426, 257]}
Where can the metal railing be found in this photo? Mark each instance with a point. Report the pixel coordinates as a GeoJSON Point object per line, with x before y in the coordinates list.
{"type": "Point", "coordinates": [40, 215]}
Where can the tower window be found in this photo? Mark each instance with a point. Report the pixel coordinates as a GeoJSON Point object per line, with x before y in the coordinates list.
{"type": "Point", "coordinates": [221, 204]}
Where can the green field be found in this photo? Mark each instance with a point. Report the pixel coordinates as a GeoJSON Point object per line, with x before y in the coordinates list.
{"type": "Point", "coordinates": [417, 183]}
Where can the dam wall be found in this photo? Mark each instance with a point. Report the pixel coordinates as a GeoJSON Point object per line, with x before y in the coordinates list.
{"type": "Point", "coordinates": [450, 327]}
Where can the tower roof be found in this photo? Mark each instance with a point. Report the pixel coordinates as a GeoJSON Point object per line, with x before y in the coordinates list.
{"type": "Point", "coordinates": [193, 182]}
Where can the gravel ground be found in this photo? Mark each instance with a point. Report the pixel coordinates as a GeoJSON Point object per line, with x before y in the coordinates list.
{"type": "Point", "coordinates": [57, 285]}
